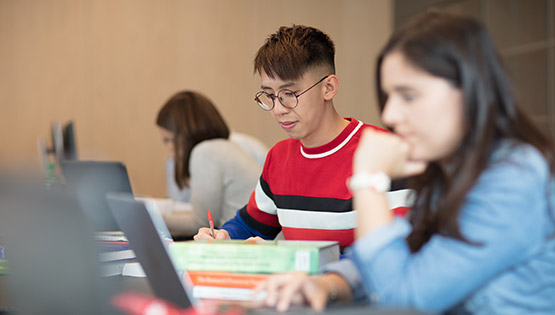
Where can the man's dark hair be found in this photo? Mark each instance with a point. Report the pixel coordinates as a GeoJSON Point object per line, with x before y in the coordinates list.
{"type": "Point", "coordinates": [292, 51]}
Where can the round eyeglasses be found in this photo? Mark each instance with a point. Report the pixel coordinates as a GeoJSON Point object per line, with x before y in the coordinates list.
{"type": "Point", "coordinates": [286, 97]}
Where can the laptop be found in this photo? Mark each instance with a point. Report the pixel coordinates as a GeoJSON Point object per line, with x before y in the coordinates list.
{"type": "Point", "coordinates": [90, 181]}
{"type": "Point", "coordinates": [145, 233]}
{"type": "Point", "coordinates": [52, 259]}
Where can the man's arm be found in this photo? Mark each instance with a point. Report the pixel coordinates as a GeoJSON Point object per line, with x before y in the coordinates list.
{"type": "Point", "coordinates": [237, 228]}
{"type": "Point", "coordinates": [251, 221]}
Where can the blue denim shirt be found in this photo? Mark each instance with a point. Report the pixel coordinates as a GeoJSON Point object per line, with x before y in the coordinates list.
{"type": "Point", "coordinates": [510, 211]}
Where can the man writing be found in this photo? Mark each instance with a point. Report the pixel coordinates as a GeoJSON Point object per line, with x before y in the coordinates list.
{"type": "Point", "coordinates": [302, 190]}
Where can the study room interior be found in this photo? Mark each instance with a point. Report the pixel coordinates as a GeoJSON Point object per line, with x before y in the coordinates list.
{"type": "Point", "coordinates": [83, 81]}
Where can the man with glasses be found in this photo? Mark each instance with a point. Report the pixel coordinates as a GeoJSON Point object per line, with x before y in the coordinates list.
{"type": "Point", "coordinates": [302, 190]}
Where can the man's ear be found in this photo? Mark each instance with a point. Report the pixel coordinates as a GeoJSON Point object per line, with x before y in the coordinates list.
{"type": "Point", "coordinates": [331, 84]}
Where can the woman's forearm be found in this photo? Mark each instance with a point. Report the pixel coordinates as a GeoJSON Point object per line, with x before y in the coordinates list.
{"type": "Point", "coordinates": [372, 211]}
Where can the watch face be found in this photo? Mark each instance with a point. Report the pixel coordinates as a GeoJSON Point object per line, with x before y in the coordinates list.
{"type": "Point", "coordinates": [382, 182]}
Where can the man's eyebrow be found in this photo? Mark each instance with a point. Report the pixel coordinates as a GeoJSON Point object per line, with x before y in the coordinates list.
{"type": "Point", "coordinates": [285, 85]}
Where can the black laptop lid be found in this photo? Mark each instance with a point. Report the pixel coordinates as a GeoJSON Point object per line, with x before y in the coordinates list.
{"type": "Point", "coordinates": [90, 181]}
{"type": "Point", "coordinates": [146, 241]}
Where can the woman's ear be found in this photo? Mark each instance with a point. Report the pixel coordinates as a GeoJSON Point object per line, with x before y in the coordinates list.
{"type": "Point", "coordinates": [331, 84]}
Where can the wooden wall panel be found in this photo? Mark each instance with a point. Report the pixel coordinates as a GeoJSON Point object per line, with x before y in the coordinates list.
{"type": "Point", "coordinates": [109, 66]}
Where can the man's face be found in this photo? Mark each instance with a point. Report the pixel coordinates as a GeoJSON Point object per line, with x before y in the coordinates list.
{"type": "Point", "coordinates": [302, 122]}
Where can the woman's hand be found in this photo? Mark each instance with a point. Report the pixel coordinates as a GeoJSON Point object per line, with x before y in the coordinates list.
{"type": "Point", "coordinates": [297, 288]}
{"type": "Point", "coordinates": [385, 152]}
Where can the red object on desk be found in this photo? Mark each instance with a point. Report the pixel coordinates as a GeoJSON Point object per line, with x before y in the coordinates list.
{"type": "Point", "coordinates": [211, 222]}
{"type": "Point", "coordinates": [141, 304]}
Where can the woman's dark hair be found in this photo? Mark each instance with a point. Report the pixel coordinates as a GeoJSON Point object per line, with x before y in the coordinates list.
{"type": "Point", "coordinates": [460, 50]}
{"type": "Point", "coordinates": [192, 118]}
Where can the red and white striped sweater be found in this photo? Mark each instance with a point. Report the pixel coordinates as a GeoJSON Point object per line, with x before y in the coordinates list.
{"type": "Point", "coordinates": [303, 191]}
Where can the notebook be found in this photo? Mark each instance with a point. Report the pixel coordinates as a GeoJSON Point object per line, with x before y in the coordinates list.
{"type": "Point", "coordinates": [90, 181]}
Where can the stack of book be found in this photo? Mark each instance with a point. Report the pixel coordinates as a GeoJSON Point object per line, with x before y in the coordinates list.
{"type": "Point", "coordinates": [115, 252]}
{"type": "Point", "coordinates": [231, 269]}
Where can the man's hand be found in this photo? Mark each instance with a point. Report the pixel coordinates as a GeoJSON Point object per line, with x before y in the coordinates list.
{"type": "Point", "coordinates": [204, 233]}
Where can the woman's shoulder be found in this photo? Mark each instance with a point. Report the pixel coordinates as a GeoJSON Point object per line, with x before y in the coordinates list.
{"type": "Point", "coordinates": [219, 146]}
{"type": "Point", "coordinates": [512, 159]}
{"type": "Point", "coordinates": [221, 151]}
{"type": "Point", "coordinates": [511, 151]}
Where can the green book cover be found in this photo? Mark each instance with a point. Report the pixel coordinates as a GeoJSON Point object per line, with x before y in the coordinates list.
{"type": "Point", "coordinates": [253, 257]}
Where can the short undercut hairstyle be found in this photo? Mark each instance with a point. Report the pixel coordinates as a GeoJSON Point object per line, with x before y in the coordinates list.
{"type": "Point", "coordinates": [292, 51]}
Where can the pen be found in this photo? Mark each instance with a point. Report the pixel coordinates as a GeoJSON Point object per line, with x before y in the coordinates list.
{"type": "Point", "coordinates": [211, 221]}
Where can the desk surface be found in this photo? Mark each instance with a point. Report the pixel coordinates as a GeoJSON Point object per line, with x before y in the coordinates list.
{"type": "Point", "coordinates": [115, 283]}
{"type": "Point", "coordinates": [140, 285]}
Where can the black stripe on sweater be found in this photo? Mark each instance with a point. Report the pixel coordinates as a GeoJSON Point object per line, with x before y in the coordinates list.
{"type": "Point", "coordinates": [264, 229]}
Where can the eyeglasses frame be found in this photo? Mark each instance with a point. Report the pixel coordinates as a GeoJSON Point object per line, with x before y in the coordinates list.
{"type": "Point", "coordinates": [274, 96]}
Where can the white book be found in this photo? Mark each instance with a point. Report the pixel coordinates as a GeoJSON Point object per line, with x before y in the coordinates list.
{"type": "Point", "coordinates": [116, 255]}
{"type": "Point", "coordinates": [133, 269]}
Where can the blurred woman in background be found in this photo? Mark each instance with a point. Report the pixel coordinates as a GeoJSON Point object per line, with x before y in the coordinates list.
{"type": "Point", "coordinates": [217, 173]}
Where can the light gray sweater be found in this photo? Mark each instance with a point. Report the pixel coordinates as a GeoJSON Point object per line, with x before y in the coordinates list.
{"type": "Point", "coordinates": [223, 175]}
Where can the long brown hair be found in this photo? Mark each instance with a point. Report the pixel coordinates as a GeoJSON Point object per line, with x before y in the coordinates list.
{"type": "Point", "coordinates": [192, 118]}
{"type": "Point", "coordinates": [460, 50]}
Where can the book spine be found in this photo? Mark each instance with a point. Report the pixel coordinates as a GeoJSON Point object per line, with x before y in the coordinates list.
{"type": "Point", "coordinates": [224, 285]}
{"type": "Point", "coordinates": [110, 237]}
{"type": "Point", "coordinates": [113, 243]}
{"type": "Point", "coordinates": [117, 255]}
{"type": "Point", "coordinates": [220, 293]}
{"type": "Point", "coordinates": [113, 246]}
{"type": "Point", "coordinates": [244, 258]}
{"type": "Point", "coordinates": [226, 279]}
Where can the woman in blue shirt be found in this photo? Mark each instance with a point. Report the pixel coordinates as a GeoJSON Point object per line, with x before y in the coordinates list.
{"type": "Point", "coordinates": [480, 238]}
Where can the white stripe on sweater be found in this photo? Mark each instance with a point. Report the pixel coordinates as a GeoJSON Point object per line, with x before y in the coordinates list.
{"type": "Point", "coordinates": [337, 148]}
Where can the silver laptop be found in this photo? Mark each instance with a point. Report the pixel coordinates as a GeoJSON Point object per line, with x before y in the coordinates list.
{"type": "Point", "coordinates": [147, 235]}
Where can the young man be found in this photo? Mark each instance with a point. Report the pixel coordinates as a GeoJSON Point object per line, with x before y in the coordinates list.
{"type": "Point", "coordinates": [302, 190]}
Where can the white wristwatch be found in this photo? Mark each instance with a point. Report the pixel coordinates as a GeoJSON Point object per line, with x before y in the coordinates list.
{"type": "Point", "coordinates": [377, 182]}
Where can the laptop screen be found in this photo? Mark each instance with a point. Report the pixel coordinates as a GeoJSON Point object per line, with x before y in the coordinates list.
{"type": "Point", "coordinates": [90, 181]}
{"type": "Point", "coordinates": [146, 233]}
